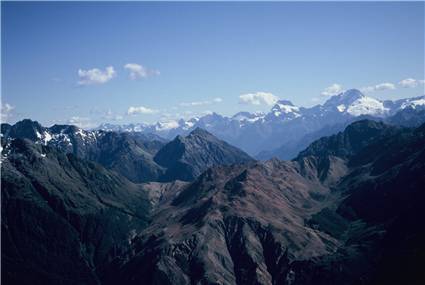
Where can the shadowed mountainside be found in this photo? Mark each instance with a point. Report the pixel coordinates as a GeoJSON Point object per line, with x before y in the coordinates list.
{"type": "Point", "coordinates": [130, 154]}
{"type": "Point", "coordinates": [347, 210]}
{"type": "Point", "coordinates": [187, 157]}
{"type": "Point", "coordinates": [137, 156]}
{"type": "Point", "coordinates": [285, 223]}
{"type": "Point", "coordinates": [63, 218]}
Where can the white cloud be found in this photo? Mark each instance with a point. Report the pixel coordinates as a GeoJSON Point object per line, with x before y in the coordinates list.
{"type": "Point", "coordinates": [140, 110]}
{"type": "Point", "coordinates": [195, 103]}
{"type": "Point", "coordinates": [139, 71]}
{"type": "Point", "coordinates": [410, 83]}
{"type": "Point", "coordinates": [258, 98]}
{"type": "Point", "coordinates": [367, 89]}
{"type": "Point", "coordinates": [167, 125]}
{"type": "Point", "coordinates": [6, 110]}
{"type": "Point", "coordinates": [378, 87]}
{"type": "Point", "coordinates": [95, 75]}
{"type": "Point", "coordinates": [201, 103]}
{"type": "Point", "coordinates": [385, 86]}
{"type": "Point", "coordinates": [332, 90]}
{"type": "Point", "coordinates": [82, 122]}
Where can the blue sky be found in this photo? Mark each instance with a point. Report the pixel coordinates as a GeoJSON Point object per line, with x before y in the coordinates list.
{"type": "Point", "coordinates": [87, 63]}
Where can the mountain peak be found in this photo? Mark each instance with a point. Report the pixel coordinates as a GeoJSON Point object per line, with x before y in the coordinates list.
{"type": "Point", "coordinates": [347, 97]}
{"type": "Point", "coordinates": [25, 123]}
{"type": "Point", "coordinates": [27, 129]}
{"type": "Point", "coordinates": [241, 115]}
{"type": "Point", "coordinates": [285, 109]}
{"type": "Point", "coordinates": [284, 102]}
{"type": "Point", "coordinates": [355, 103]}
{"type": "Point", "coordinates": [200, 132]}
{"type": "Point", "coordinates": [350, 93]}
{"type": "Point", "coordinates": [346, 143]}
{"type": "Point", "coordinates": [186, 158]}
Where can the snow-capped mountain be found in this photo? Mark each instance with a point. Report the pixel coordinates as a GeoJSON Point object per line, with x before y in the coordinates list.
{"type": "Point", "coordinates": [284, 110]}
{"type": "Point", "coordinates": [354, 103]}
{"type": "Point", "coordinates": [129, 153]}
{"type": "Point", "coordinates": [123, 128]}
{"type": "Point", "coordinates": [246, 117]}
{"type": "Point", "coordinates": [66, 137]}
{"type": "Point", "coordinates": [284, 124]}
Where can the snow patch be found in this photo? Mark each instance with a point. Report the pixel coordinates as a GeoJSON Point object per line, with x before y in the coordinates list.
{"type": "Point", "coordinates": [414, 103]}
{"type": "Point", "coordinates": [287, 108]}
{"type": "Point", "coordinates": [47, 137]}
{"type": "Point", "coordinates": [81, 133]}
{"type": "Point", "coordinates": [341, 108]}
{"type": "Point", "coordinates": [245, 117]}
{"type": "Point", "coordinates": [188, 125]}
{"type": "Point", "coordinates": [367, 106]}
{"type": "Point", "coordinates": [252, 120]}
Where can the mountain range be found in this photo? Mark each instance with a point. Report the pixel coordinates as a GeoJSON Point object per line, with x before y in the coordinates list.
{"type": "Point", "coordinates": [348, 209]}
{"type": "Point", "coordinates": [137, 156]}
{"type": "Point", "coordinates": [287, 129]}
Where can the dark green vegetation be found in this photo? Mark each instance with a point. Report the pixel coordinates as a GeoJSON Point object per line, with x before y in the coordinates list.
{"type": "Point", "coordinates": [349, 209]}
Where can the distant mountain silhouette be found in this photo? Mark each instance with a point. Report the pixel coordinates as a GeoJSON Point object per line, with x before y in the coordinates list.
{"type": "Point", "coordinates": [286, 129]}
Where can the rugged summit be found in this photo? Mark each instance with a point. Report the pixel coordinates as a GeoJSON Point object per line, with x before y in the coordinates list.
{"type": "Point", "coordinates": [186, 157]}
